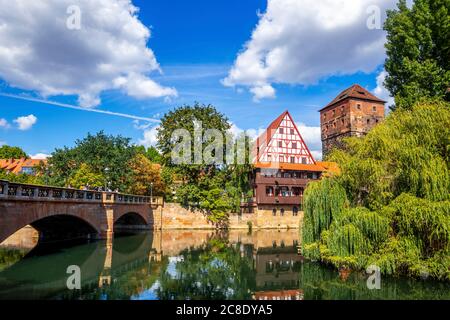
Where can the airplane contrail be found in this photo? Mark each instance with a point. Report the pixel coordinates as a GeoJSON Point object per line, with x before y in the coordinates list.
{"type": "Point", "coordinates": [69, 106]}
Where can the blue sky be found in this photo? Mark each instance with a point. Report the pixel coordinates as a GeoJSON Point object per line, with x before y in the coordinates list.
{"type": "Point", "coordinates": [196, 44]}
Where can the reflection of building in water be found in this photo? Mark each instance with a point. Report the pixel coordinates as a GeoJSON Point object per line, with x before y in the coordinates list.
{"type": "Point", "coordinates": [276, 262]}
{"type": "Point", "coordinates": [279, 295]}
{"type": "Point", "coordinates": [277, 272]}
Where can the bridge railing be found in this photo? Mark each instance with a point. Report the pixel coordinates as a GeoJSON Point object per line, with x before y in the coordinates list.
{"type": "Point", "coordinates": [18, 191]}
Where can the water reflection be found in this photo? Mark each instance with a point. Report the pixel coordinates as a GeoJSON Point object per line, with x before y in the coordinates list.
{"type": "Point", "coordinates": [192, 265]}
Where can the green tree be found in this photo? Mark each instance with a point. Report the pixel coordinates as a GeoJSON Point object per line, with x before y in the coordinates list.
{"type": "Point", "coordinates": [187, 118]}
{"type": "Point", "coordinates": [144, 174]}
{"type": "Point", "coordinates": [105, 155]}
{"type": "Point", "coordinates": [418, 51]}
{"type": "Point", "coordinates": [85, 176]}
{"type": "Point", "coordinates": [8, 152]}
{"type": "Point", "coordinates": [390, 205]}
{"type": "Point", "coordinates": [204, 186]}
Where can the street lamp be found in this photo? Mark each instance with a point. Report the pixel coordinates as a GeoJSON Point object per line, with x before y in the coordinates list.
{"type": "Point", "coordinates": [151, 193]}
{"type": "Point", "coordinates": [106, 178]}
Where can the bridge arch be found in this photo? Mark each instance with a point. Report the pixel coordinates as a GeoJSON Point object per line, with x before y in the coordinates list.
{"type": "Point", "coordinates": [15, 216]}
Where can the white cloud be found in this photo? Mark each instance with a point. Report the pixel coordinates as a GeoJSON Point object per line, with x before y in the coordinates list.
{"type": "Point", "coordinates": [39, 53]}
{"type": "Point", "coordinates": [4, 124]}
{"type": "Point", "coordinates": [313, 139]}
{"type": "Point", "coordinates": [2, 143]}
{"type": "Point", "coordinates": [40, 156]}
{"type": "Point", "coordinates": [150, 137]}
{"type": "Point", "coordinates": [262, 92]}
{"type": "Point", "coordinates": [26, 122]}
{"type": "Point", "coordinates": [303, 41]}
{"type": "Point", "coordinates": [381, 92]}
{"type": "Point", "coordinates": [251, 133]}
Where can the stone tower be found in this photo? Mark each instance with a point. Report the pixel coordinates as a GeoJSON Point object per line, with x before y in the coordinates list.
{"type": "Point", "coordinates": [354, 112]}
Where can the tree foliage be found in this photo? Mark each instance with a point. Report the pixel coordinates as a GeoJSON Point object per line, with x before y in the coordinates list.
{"type": "Point", "coordinates": [213, 188]}
{"type": "Point", "coordinates": [397, 183]}
{"type": "Point", "coordinates": [105, 155]}
{"type": "Point", "coordinates": [8, 152]}
{"type": "Point", "coordinates": [418, 51]}
{"type": "Point", "coordinates": [144, 174]}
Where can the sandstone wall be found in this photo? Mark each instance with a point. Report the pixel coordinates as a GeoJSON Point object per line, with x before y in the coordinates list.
{"type": "Point", "coordinates": [176, 217]}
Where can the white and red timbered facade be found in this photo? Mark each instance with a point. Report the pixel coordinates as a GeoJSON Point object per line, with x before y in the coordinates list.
{"type": "Point", "coordinates": [283, 167]}
{"type": "Point", "coordinates": [283, 143]}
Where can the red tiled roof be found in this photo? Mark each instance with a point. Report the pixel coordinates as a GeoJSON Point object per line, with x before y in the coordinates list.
{"type": "Point", "coordinates": [355, 92]}
{"type": "Point", "coordinates": [16, 165]}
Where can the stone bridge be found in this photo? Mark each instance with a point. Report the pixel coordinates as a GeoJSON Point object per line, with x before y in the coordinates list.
{"type": "Point", "coordinates": [62, 213]}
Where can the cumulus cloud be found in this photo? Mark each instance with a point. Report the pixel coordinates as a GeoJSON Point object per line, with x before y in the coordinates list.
{"type": "Point", "coordinates": [26, 122]}
{"type": "Point", "coordinates": [4, 124]}
{"type": "Point", "coordinates": [150, 137]}
{"type": "Point", "coordinates": [381, 92]}
{"type": "Point", "coordinates": [303, 41]}
{"type": "Point", "coordinates": [40, 156]}
{"type": "Point", "coordinates": [38, 52]}
{"type": "Point", "coordinates": [313, 140]}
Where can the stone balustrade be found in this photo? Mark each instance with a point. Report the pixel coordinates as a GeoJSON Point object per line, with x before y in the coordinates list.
{"type": "Point", "coordinates": [25, 192]}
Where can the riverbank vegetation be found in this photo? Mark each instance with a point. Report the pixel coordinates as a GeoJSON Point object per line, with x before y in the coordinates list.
{"type": "Point", "coordinates": [390, 205]}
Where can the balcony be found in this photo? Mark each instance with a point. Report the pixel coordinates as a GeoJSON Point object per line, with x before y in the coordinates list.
{"type": "Point", "coordinates": [290, 200]}
{"type": "Point", "coordinates": [273, 181]}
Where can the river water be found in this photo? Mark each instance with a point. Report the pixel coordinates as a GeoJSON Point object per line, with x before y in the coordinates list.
{"type": "Point", "coordinates": [191, 265]}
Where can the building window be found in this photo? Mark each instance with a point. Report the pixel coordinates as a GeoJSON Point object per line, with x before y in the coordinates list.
{"type": "Point", "coordinates": [358, 106]}
{"type": "Point", "coordinates": [304, 160]}
{"type": "Point", "coordinates": [282, 212]}
{"type": "Point", "coordinates": [334, 113]}
{"type": "Point", "coordinates": [294, 145]}
{"type": "Point", "coordinates": [274, 212]}
{"type": "Point", "coordinates": [287, 175]}
{"type": "Point", "coordinates": [343, 122]}
{"type": "Point", "coordinates": [27, 170]}
{"type": "Point", "coordinates": [281, 130]}
{"type": "Point", "coordinates": [269, 191]}
{"type": "Point", "coordinates": [295, 211]}
{"type": "Point", "coordinates": [296, 191]}
{"type": "Point", "coordinates": [269, 158]}
{"type": "Point", "coordinates": [310, 175]}
{"type": "Point", "coordinates": [368, 121]}
{"type": "Point", "coordinates": [292, 159]}
{"type": "Point", "coordinates": [292, 131]}
{"type": "Point", "coordinates": [374, 108]}
{"type": "Point", "coordinates": [324, 116]}
{"type": "Point", "coordinates": [281, 159]}
{"type": "Point", "coordinates": [280, 144]}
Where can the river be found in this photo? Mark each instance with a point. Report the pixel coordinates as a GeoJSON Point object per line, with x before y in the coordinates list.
{"type": "Point", "coordinates": [191, 265]}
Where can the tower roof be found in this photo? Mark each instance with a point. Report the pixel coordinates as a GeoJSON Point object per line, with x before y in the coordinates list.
{"type": "Point", "coordinates": [355, 92]}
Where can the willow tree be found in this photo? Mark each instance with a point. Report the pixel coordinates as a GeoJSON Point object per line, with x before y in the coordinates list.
{"type": "Point", "coordinates": [397, 183]}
